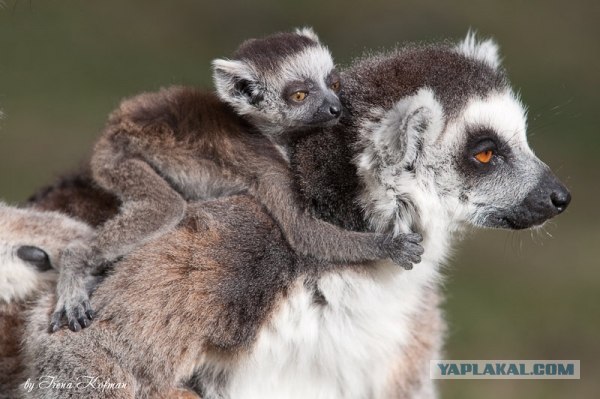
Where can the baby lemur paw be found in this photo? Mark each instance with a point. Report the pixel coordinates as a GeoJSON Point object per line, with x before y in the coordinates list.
{"type": "Point", "coordinates": [405, 249]}
{"type": "Point", "coordinates": [74, 308]}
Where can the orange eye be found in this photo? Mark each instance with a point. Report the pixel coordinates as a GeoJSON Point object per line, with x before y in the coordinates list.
{"type": "Point", "coordinates": [484, 156]}
{"type": "Point", "coordinates": [299, 96]}
{"type": "Point", "coordinates": [335, 86]}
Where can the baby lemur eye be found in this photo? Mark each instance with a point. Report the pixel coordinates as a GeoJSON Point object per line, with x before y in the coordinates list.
{"type": "Point", "coordinates": [335, 86]}
{"type": "Point", "coordinates": [299, 96]}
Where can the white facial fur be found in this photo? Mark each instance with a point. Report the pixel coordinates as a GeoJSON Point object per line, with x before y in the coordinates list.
{"type": "Point", "coordinates": [437, 181]}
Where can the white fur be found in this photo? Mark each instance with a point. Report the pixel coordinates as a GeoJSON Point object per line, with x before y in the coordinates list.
{"type": "Point", "coordinates": [502, 111]}
{"type": "Point", "coordinates": [308, 32]}
{"type": "Point", "coordinates": [313, 62]}
{"type": "Point", "coordinates": [486, 50]}
{"type": "Point", "coordinates": [51, 231]}
{"type": "Point", "coordinates": [18, 280]}
{"type": "Point", "coordinates": [343, 350]}
{"type": "Point", "coordinates": [390, 139]}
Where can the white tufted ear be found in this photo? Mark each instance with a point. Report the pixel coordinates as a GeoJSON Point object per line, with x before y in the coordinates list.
{"type": "Point", "coordinates": [403, 129]}
{"type": "Point", "coordinates": [308, 32]}
{"type": "Point", "coordinates": [486, 51]}
{"type": "Point", "coordinates": [235, 83]}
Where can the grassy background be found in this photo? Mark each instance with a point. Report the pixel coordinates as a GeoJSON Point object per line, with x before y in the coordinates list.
{"type": "Point", "coordinates": [65, 64]}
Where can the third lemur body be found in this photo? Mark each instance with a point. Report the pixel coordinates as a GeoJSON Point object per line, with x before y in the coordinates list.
{"type": "Point", "coordinates": [163, 149]}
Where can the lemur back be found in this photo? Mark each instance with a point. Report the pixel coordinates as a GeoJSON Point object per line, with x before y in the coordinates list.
{"type": "Point", "coordinates": [160, 150]}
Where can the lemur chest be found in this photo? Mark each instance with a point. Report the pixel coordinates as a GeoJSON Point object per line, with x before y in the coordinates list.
{"type": "Point", "coordinates": [338, 339]}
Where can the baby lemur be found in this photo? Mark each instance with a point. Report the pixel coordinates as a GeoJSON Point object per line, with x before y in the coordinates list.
{"type": "Point", "coordinates": [160, 150]}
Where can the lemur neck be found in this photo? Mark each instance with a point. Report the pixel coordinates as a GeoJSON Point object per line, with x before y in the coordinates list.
{"type": "Point", "coordinates": [330, 183]}
{"type": "Point", "coordinates": [394, 207]}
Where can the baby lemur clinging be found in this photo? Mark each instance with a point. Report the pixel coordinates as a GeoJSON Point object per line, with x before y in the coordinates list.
{"type": "Point", "coordinates": [160, 150]}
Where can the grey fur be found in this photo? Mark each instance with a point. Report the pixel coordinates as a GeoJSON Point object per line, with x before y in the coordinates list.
{"type": "Point", "coordinates": [160, 150]}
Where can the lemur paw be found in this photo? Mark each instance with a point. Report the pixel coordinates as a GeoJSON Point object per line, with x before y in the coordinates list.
{"type": "Point", "coordinates": [76, 310]}
{"type": "Point", "coordinates": [405, 250]}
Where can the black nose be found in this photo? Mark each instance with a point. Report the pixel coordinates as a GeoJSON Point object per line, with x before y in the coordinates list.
{"type": "Point", "coordinates": [335, 110]}
{"type": "Point", "coordinates": [560, 198]}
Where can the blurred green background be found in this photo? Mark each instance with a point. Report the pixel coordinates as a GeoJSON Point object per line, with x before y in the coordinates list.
{"type": "Point", "coordinates": [531, 295]}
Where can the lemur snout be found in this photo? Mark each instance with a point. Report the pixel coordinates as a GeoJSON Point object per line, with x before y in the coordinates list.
{"type": "Point", "coordinates": [330, 109]}
{"type": "Point", "coordinates": [554, 194]}
{"type": "Point", "coordinates": [560, 198]}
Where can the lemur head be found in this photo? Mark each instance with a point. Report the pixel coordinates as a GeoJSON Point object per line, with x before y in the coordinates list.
{"type": "Point", "coordinates": [284, 82]}
{"type": "Point", "coordinates": [453, 145]}
{"type": "Point", "coordinates": [30, 244]}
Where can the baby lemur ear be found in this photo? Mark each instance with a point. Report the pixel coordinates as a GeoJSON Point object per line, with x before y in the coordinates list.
{"type": "Point", "coordinates": [400, 133]}
{"type": "Point", "coordinates": [236, 83]}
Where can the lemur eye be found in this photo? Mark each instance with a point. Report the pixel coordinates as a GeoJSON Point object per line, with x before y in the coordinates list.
{"type": "Point", "coordinates": [484, 156]}
{"type": "Point", "coordinates": [299, 96]}
{"type": "Point", "coordinates": [335, 86]}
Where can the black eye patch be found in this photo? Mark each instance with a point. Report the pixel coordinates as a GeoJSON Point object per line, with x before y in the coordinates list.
{"type": "Point", "coordinates": [36, 256]}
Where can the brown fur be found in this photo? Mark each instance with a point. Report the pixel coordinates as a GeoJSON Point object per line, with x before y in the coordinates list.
{"type": "Point", "coordinates": [195, 143]}
{"type": "Point", "coordinates": [12, 322]}
{"type": "Point", "coordinates": [78, 196]}
{"type": "Point", "coordinates": [160, 150]}
{"type": "Point", "coordinates": [207, 287]}
{"type": "Point", "coordinates": [50, 232]}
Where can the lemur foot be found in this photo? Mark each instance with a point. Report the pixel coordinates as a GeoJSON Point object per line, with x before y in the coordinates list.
{"type": "Point", "coordinates": [77, 311]}
{"type": "Point", "coordinates": [405, 249]}
{"type": "Point", "coordinates": [73, 289]}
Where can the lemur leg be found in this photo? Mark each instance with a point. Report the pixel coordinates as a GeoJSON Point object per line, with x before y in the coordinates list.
{"type": "Point", "coordinates": [311, 236]}
{"type": "Point", "coordinates": [149, 208]}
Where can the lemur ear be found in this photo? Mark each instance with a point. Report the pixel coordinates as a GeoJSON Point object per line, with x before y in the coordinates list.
{"type": "Point", "coordinates": [402, 131]}
{"type": "Point", "coordinates": [235, 82]}
{"type": "Point", "coordinates": [486, 51]}
{"type": "Point", "coordinates": [308, 32]}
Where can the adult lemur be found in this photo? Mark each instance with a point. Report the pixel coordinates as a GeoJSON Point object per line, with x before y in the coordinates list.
{"type": "Point", "coordinates": [160, 150]}
{"type": "Point", "coordinates": [434, 140]}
